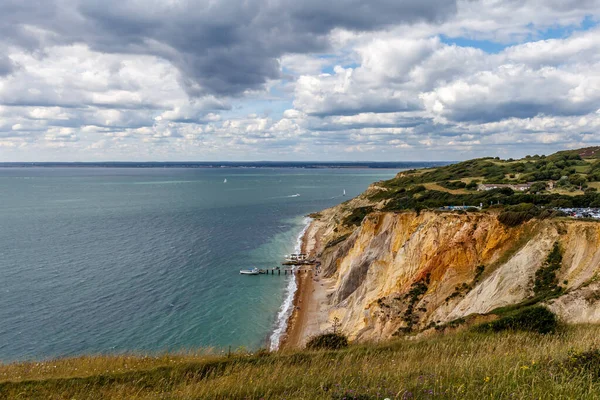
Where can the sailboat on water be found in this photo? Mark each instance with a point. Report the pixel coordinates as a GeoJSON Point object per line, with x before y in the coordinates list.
{"type": "Point", "coordinates": [344, 192]}
{"type": "Point", "coordinates": [225, 181]}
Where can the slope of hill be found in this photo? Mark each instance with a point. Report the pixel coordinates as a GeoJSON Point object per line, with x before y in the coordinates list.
{"type": "Point", "coordinates": [460, 366]}
{"type": "Point", "coordinates": [564, 173]}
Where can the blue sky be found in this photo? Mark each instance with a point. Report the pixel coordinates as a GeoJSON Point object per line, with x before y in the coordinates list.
{"type": "Point", "coordinates": [556, 31]}
{"type": "Point", "coordinates": [282, 80]}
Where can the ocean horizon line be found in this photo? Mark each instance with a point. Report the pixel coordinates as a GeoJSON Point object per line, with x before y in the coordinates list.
{"type": "Point", "coordinates": [224, 164]}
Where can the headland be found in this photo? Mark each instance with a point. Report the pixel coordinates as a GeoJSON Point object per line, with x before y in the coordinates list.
{"type": "Point", "coordinates": [449, 247]}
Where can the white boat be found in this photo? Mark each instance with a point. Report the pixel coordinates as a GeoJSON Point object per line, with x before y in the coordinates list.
{"type": "Point", "coordinates": [344, 192]}
{"type": "Point", "coordinates": [225, 181]}
{"type": "Point", "coordinates": [253, 271]}
{"type": "Point", "coordinates": [296, 257]}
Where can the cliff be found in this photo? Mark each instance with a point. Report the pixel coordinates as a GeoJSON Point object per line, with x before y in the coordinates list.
{"type": "Point", "coordinates": [405, 273]}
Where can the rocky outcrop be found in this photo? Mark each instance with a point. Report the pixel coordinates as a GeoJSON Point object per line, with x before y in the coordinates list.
{"type": "Point", "coordinates": [401, 272]}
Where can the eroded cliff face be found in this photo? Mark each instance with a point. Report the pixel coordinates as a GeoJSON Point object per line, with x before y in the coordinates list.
{"type": "Point", "coordinates": [401, 273]}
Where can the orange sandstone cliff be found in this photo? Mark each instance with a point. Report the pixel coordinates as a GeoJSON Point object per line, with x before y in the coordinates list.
{"type": "Point", "coordinates": [403, 273]}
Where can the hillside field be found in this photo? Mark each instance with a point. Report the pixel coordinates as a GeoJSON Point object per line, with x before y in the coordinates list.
{"type": "Point", "coordinates": [463, 365]}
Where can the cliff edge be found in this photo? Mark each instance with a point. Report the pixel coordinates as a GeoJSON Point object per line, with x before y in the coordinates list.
{"type": "Point", "coordinates": [406, 273]}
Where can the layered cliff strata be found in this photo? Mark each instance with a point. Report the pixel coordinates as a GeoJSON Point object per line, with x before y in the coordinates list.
{"type": "Point", "coordinates": [403, 273]}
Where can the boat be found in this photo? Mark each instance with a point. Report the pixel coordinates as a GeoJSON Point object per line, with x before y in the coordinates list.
{"type": "Point", "coordinates": [225, 181]}
{"type": "Point", "coordinates": [253, 271]}
{"type": "Point", "coordinates": [344, 192]}
{"type": "Point", "coordinates": [296, 257]}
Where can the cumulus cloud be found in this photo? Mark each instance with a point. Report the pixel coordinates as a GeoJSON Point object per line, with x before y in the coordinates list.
{"type": "Point", "coordinates": [279, 78]}
{"type": "Point", "coordinates": [556, 77]}
{"type": "Point", "coordinates": [513, 20]}
{"type": "Point", "coordinates": [6, 65]}
{"type": "Point", "coordinates": [516, 91]}
{"type": "Point", "coordinates": [221, 47]}
{"type": "Point", "coordinates": [548, 77]}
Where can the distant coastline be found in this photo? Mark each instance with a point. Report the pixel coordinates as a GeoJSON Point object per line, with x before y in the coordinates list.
{"type": "Point", "coordinates": [230, 164]}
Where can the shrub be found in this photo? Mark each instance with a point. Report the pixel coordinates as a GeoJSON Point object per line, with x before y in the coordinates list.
{"type": "Point", "coordinates": [478, 272]}
{"type": "Point", "coordinates": [337, 241]}
{"type": "Point", "coordinates": [471, 185]}
{"type": "Point", "coordinates": [517, 214]}
{"type": "Point", "coordinates": [513, 218]}
{"type": "Point", "coordinates": [328, 341]}
{"type": "Point", "coordinates": [453, 184]}
{"type": "Point", "coordinates": [546, 281]}
{"type": "Point", "coordinates": [537, 187]}
{"type": "Point", "coordinates": [587, 361]}
{"type": "Point", "coordinates": [532, 319]}
{"type": "Point", "coordinates": [357, 216]}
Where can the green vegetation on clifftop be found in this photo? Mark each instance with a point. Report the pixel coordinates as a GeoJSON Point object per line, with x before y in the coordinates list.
{"type": "Point", "coordinates": [466, 365]}
{"type": "Point", "coordinates": [527, 188]}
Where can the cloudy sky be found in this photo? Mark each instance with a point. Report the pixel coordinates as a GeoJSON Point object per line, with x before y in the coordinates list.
{"type": "Point", "coordinates": [387, 80]}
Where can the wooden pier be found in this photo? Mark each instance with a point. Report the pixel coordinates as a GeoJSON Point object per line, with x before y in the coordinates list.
{"type": "Point", "coordinates": [286, 271]}
{"type": "Point", "coordinates": [293, 267]}
{"type": "Point", "coordinates": [300, 262]}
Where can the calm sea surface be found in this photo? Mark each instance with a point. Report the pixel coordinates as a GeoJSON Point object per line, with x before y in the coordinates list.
{"type": "Point", "coordinates": [101, 260]}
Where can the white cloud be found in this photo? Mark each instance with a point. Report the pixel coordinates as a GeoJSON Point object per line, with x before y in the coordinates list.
{"type": "Point", "coordinates": [112, 89]}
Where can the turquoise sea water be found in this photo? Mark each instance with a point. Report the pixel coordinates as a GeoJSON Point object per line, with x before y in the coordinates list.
{"type": "Point", "coordinates": [101, 260]}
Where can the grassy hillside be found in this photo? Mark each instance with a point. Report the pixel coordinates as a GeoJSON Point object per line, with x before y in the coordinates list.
{"type": "Point", "coordinates": [574, 170]}
{"type": "Point", "coordinates": [562, 180]}
{"type": "Point", "coordinates": [464, 365]}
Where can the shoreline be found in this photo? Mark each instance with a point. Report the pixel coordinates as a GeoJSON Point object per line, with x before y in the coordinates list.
{"type": "Point", "coordinates": [309, 313]}
{"type": "Point", "coordinates": [277, 336]}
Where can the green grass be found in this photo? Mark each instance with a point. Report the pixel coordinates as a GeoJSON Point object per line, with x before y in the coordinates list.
{"type": "Point", "coordinates": [459, 366]}
{"type": "Point", "coordinates": [443, 186]}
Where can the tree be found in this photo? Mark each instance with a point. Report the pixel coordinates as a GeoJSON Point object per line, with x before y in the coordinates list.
{"type": "Point", "coordinates": [537, 187]}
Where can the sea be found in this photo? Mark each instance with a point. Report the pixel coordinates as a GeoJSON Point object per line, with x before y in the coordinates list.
{"type": "Point", "coordinates": [117, 260]}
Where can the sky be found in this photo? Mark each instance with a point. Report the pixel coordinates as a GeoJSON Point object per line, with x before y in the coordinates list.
{"type": "Point", "coordinates": [289, 80]}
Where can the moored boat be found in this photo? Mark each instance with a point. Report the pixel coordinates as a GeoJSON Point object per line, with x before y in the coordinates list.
{"type": "Point", "coordinates": [296, 257]}
{"type": "Point", "coordinates": [253, 271]}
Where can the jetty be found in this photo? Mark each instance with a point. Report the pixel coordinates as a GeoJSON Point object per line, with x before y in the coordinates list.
{"type": "Point", "coordinates": [297, 267]}
{"type": "Point", "coordinates": [294, 264]}
{"type": "Point", "coordinates": [299, 262]}
{"type": "Point", "coordinates": [286, 271]}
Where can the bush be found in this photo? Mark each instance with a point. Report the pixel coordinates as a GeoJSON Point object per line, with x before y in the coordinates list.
{"type": "Point", "coordinates": [513, 218]}
{"type": "Point", "coordinates": [337, 241]}
{"type": "Point", "coordinates": [357, 216]}
{"type": "Point", "coordinates": [587, 361]}
{"type": "Point", "coordinates": [518, 214]}
{"type": "Point", "coordinates": [546, 281]}
{"type": "Point", "coordinates": [537, 187]}
{"type": "Point", "coordinates": [471, 185]}
{"type": "Point", "coordinates": [453, 184]}
{"type": "Point", "coordinates": [531, 319]}
{"type": "Point", "coordinates": [327, 341]}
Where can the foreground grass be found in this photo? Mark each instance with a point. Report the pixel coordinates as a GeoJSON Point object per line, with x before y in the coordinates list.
{"type": "Point", "coordinates": [459, 366]}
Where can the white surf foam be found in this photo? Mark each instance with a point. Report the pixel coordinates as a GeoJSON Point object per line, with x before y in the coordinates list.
{"type": "Point", "coordinates": [284, 197]}
{"type": "Point", "coordinates": [285, 311]}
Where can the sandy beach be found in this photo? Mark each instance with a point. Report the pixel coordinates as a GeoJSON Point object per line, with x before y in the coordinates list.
{"type": "Point", "coordinates": [310, 301]}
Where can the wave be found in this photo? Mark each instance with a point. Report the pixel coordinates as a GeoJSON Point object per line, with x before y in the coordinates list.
{"type": "Point", "coordinates": [285, 311]}
{"type": "Point", "coordinates": [162, 182]}
{"type": "Point", "coordinates": [284, 197]}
